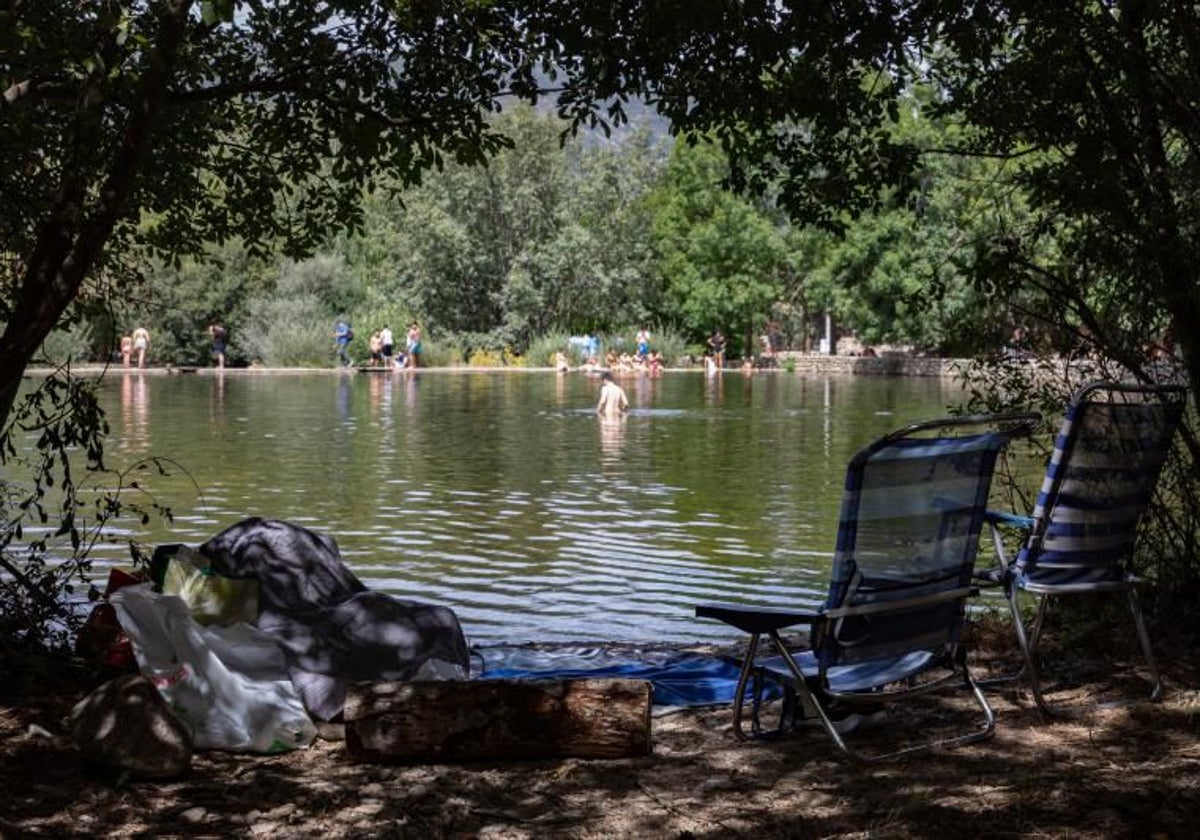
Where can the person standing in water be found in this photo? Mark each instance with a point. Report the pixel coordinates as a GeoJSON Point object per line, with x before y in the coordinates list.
{"type": "Point", "coordinates": [613, 402]}
{"type": "Point", "coordinates": [388, 345]}
{"type": "Point", "coordinates": [342, 336]}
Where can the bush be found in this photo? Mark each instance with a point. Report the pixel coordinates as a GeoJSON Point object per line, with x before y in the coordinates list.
{"type": "Point", "coordinates": [541, 350]}
{"type": "Point", "coordinates": [73, 342]}
{"type": "Point", "coordinates": [291, 332]}
{"type": "Point", "coordinates": [53, 512]}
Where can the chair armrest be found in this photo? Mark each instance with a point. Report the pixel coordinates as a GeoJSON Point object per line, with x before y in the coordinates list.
{"type": "Point", "coordinates": [1001, 517]}
{"type": "Point", "coordinates": [755, 619]}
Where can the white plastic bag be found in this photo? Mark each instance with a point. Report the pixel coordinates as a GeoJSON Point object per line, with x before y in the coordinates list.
{"type": "Point", "coordinates": [229, 685]}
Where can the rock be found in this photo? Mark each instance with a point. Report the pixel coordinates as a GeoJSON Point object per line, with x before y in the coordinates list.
{"type": "Point", "coordinates": [125, 726]}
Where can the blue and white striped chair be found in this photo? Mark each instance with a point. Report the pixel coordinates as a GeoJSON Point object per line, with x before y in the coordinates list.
{"type": "Point", "coordinates": [1101, 477]}
{"type": "Point", "coordinates": [911, 517]}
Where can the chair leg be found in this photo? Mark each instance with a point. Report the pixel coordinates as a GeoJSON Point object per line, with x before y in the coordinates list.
{"type": "Point", "coordinates": [1039, 621]}
{"type": "Point", "coordinates": [1025, 641]}
{"type": "Point", "coordinates": [805, 696]}
{"type": "Point", "coordinates": [1030, 641]}
{"type": "Point", "coordinates": [1140, 622]}
{"type": "Point", "coordinates": [1018, 676]}
{"type": "Point", "coordinates": [743, 678]}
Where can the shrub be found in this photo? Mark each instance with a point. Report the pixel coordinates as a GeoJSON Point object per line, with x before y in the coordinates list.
{"type": "Point", "coordinates": [53, 512]}
{"type": "Point", "coordinates": [291, 332]}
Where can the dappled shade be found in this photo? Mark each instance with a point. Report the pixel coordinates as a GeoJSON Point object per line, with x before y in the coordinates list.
{"type": "Point", "coordinates": [332, 628]}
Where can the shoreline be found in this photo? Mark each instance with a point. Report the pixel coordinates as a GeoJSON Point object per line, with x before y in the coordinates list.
{"type": "Point", "coordinates": [804, 363]}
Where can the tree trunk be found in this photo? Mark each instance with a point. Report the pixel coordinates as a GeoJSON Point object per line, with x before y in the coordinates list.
{"type": "Point", "coordinates": [498, 720]}
{"type": "Point", "coordinates": [75, 230]}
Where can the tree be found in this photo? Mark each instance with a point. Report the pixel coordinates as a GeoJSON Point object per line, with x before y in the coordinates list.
{"type": "Point", "coordinates": [179, 300]}
{"type": "Point", "coordinates": [167, 124]}
{"type": "Point", "coordinates": [720, 258]}
{"type": "Point", "coordinates": [550, 236]}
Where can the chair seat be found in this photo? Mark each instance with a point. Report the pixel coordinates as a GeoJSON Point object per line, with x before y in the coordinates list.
{"type": "Point", "coordinates": [861, 676]}
{"type": "Point", "coordinates": [1049, 580]}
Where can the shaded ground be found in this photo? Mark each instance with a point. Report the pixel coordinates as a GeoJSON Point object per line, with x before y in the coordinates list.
{"type": "Point", "coordinates": [1126, 772]}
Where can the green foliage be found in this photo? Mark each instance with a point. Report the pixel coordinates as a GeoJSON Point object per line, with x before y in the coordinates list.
{"type": "Point", "coordinates": [542, 349]}
{"type": "Point", "coordinates": [720, 259]}
{"type": "Point", "coordinates": [179, 301]}
{"type": "Point", "coordinates": [546, 238]}
{"type": "Point", "coordinates": [293, 324]}
{"type": "Point", "coordinates": [74, 342]}
{"type": "Point", "coordinates": [54, 511]}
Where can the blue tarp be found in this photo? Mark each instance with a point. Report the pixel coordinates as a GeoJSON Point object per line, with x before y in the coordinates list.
{"type": "Point", "coordinates": [678, 678]}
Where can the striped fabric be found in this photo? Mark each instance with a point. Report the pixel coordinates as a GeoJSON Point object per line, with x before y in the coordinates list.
{"type": "Point", "coordinates": [1101, 477]}
{"type": "Point", "coordinates": [909, 529]}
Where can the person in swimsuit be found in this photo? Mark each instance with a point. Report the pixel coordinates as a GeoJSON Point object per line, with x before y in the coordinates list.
{"type": "Point", "coordinates": [716, 343]}
{"type": "Point", "coordinates": [613, 402]}
{"type": "Point", "coordinates": [220, 343]}
{"type": "Point", "coordinates": [141, 343]}
{"type": "Point", "coordinates": [414, 345]}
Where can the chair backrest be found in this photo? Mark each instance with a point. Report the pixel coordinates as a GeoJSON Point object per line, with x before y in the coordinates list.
{"type": "Point", "coordinates": [908, 536]}
{"type": "Point", "coordinates": [1107, 457]}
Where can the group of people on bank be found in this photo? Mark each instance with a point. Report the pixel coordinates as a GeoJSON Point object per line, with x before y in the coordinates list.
{"type": "Point", "coordinates": [381, 346]}
{"type": "Point", "coordinates": [137, 343]}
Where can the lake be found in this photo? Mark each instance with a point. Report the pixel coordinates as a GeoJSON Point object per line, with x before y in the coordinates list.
{"type": "Point", "coordinates": [502, 495]}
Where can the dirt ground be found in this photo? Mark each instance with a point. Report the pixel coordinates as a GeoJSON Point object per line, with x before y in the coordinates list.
{"type": "Point", "coordinates": [1113, 773]}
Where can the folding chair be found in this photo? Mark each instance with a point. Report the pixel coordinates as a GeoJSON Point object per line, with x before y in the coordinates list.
{"type": "Point", "coordinates": [1107, 458]}
{"type": "Point", "coordinates": [890, 627]}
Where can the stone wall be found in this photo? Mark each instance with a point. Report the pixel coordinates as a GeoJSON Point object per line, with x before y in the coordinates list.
{"type": "Point", "coordinates": [886, 365]}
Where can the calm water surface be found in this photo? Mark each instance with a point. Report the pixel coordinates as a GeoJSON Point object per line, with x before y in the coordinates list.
{"type": "Point", "coordinates": [503, 496]}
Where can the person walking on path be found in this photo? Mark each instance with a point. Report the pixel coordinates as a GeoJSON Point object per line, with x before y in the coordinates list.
{"type": "Point", "coordinates": [141, 343]}
{"type": "Point", "coordinates": [342, 335]}
{"type": "Point", "coordinates": [220, 343]}
{"type": "Point", "coordinates": [613, 402]}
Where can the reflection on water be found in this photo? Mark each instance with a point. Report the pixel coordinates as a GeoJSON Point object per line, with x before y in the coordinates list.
{"type": "Point", "coordinates": [135, 412]}
{"type": "Point", "coordinates": [612, 438]}
{"type": "Point", "coordinates": [504, 496]}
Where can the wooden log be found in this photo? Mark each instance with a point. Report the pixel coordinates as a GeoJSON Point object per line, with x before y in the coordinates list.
{"type": "Point", "coordinates": [497, 720]}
